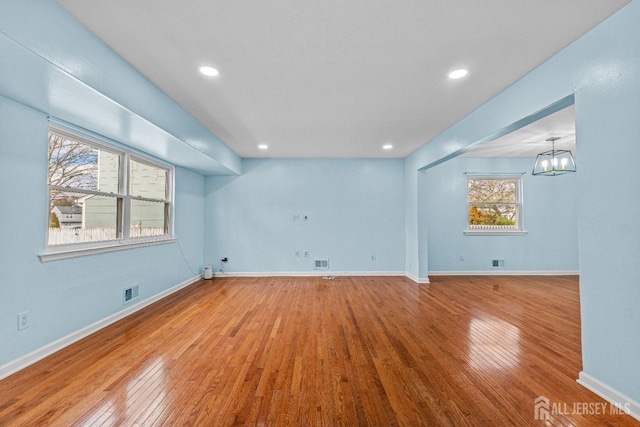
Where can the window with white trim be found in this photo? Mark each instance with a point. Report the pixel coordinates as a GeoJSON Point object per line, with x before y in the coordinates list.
{"type": "Point", "coordinates": [102, 195]}
{"type": "Point", "coordinates": [494, 204]}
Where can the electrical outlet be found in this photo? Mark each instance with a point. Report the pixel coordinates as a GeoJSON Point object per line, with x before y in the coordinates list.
{"type": "Point", "coordinates": [461, 257]}
{"type": "Point", "coordinates": [23, 320]}
{"type": "Point", "coordinates": [306, 254]}
{"type": "Point", "coordinates": [297, 253]}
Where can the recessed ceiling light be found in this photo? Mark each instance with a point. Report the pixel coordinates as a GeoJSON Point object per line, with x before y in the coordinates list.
{"type": "Point", "coordinates": [263, 146]}
{"type": "Point", "coordinates": [458, 74]}
{"type": "Point", "coordinates": [387, 147]}
{"type": "Point", "coordinates": [209, 71]}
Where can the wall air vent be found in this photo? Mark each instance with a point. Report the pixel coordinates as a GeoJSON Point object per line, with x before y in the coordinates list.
{"type": "Point", "coordinates": [321, 264]}
{"type": "Point", "coordinates": [130, 294]}
{"type": "Point", "coordinates": [497, 263]}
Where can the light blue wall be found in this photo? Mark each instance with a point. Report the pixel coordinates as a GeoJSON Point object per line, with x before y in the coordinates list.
{"type": "Point", "coordinates": [65, 296]}
{"type": "Point", "coordinates": [355, 210]}
{"type": "Point", "coordinates": [549, 213]}
{"type": "Point", "coordinates": [608, 126]}
{"type": "Point", "coordinates": [603, 70]}
{"type": "Point", "coordinates": [412, 247]}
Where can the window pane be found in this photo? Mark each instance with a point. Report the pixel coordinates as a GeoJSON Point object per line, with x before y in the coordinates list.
{"type": "Point", "coordinates": [148, 181]}
{"type": "Point", "coordinates": [492, 190]}
{"type": "Point", "coordinates": [147, 218]}
{"type": "Point", "coordinates": [78, 218]}
{"type": "Point", "coordinates": [496, 215]}
{"type": "Point", "coordinates": [109, 172]}
{"type": "Point", "coordinates": [75, 164]}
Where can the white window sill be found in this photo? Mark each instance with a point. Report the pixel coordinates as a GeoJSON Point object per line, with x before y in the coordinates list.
{"type": "Point", "coordinates": [56, 253]}
{"type": "Point", "coordinates": [495, 232]}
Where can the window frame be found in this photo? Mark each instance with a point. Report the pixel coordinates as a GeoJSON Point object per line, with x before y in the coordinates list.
{"type": "Point", "coordinates": [519, 205]}
{"type": "Point", "coordinates": [124, 198]}
{"type": "Point", "coordinates": [168, 203]}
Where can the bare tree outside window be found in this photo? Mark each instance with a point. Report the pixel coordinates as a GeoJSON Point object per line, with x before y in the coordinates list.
{"type": "Point", "coordinates": [72, 164]}
{"type": "Point", "coordinates": [493, 202]}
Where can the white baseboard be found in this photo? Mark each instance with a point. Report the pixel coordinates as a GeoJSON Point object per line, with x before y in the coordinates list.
{"type": "Point", "coordinates": [417, 279]}
{"type": "Point", "coordinates": [395, 273]}
{"type": "Point", "coordinates": [611, 395]}
{"type": "Point", "coordinates": [314, 273]}
{"type": "Point", "coordinates": [502, 272]}
{"type": "Point", "coordinates": [39, 354]}
{"type": "Point", "coordinates": [320, 273]}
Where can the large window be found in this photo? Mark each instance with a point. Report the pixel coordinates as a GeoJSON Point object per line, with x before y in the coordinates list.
{"type": "Point", "coordinates": [101, 195]}
{"type": "Point", "coordinates": [494, 204]}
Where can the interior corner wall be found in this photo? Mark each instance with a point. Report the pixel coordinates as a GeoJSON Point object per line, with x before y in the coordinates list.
{"type": "Point", "coordinates": [548, 212]}
{"type": "Point", "coordinates": [424, 265]}
{"type": "Point", "coordinates": [350, 211]}
{"type": "Point", "coordinates": [65, 296]}
{"type": "Point", "coordinates": [412, 240]}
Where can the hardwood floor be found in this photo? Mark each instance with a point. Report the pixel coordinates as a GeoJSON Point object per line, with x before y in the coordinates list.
{"type": "Point", "coordinates": [306, 351]}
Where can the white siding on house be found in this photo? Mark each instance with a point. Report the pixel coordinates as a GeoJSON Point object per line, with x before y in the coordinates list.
{"type": "Point", "coordinates": [146, 181]}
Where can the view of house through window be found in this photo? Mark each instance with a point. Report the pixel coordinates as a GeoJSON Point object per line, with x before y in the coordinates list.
{"type": "Point", "coordinates": [494, 203]}
{"type": "Point", "coordinates": [148, 189]}
{"type": "Point", "coordinates": [88, 200]}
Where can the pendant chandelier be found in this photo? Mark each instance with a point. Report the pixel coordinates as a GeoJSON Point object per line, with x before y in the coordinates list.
{"type": "Point", "coordinates": [554, 162]}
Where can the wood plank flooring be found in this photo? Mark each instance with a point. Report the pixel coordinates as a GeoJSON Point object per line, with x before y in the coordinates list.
{"type": "Point", "coordinates": [379, 351]}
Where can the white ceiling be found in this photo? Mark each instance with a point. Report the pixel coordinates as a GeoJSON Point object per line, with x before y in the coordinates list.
{"type": "Point", "coordinates": [531, 140]}
{"type": "Point", "coordinates": [335, 78]}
